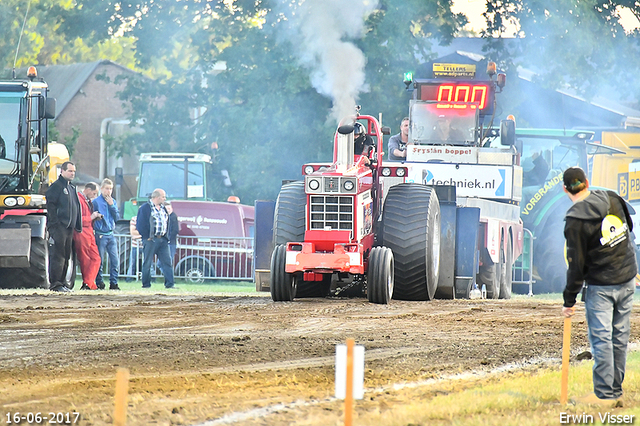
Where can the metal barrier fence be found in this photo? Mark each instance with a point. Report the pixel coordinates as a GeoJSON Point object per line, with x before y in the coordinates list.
{"type": "Point", "coordinates": [197, 259]}
{"type": "Point", "coordinates": [523, 266]}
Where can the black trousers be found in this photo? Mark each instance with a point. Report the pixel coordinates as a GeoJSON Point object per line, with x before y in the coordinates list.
{"type": "Point", "coordinates": [59, 255]}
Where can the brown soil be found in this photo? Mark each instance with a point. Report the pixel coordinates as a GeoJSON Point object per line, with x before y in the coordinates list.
{"type": "Point", "coordinates": [194, 359]}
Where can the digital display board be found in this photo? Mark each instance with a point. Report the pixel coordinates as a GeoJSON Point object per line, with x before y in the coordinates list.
{"type": "Point", "coordinates": [459, 95]}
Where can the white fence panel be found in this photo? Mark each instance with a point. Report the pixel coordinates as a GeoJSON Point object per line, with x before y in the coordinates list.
{"type": "Point", "coordinates": [196, 260]}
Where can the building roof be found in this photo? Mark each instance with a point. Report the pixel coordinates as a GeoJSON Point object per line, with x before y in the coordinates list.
{"type": "Point", "coordinates": [66, 80]}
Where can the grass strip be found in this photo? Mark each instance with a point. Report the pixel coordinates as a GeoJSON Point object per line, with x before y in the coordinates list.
{"type": "Point", "coordinates": [527, 398]}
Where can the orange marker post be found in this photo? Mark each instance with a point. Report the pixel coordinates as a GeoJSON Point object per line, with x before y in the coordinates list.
{"type": "Point", "coordinates": [122, 390]}
{"type": "Point", "coordinates": [348, 399]}
{"type": "Point", "coordinates": [566, 353]}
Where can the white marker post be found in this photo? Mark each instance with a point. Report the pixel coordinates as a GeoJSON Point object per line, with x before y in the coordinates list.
{"type": "Point", "coordinates": [349, 376]}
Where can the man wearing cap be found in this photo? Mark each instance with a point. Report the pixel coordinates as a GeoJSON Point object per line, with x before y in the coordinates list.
{"type": "Point", "coordinates": [600, 253]}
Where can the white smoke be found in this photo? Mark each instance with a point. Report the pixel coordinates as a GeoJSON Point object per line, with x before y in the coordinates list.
{"type": "Point", "coordinates": [323, 29]}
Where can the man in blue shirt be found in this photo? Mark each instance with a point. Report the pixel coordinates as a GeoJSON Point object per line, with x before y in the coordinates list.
{"type": "Point", "coordinates": [398, 143]}
{"type": "Point", "coordinates": [104, 227]}
{"type": "Point", "coordinates": [153, 225]}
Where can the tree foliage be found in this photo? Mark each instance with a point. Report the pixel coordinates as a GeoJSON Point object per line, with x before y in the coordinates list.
{"type": "Point", "coordinates": [238, 74]}
{"type": "Point", "coordinates": [571, 44]}
{"type": "Point", "coordinates": [263, 111]}
{"type": "Point", "coordinates": [53, 32]}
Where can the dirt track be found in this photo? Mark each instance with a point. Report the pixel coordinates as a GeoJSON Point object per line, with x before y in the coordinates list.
{"type": "Point", "coordinates": [194, 359]}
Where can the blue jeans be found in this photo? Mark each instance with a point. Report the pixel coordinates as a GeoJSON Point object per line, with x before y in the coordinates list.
{"type": "Point", "coordinates": [172, 254]}
{"type": "Point", "coordinates": [109, 244]}
{"type": "Point", "coordinates": [608, 319]}
{"type": "Point", "coordinates": [158, 247]}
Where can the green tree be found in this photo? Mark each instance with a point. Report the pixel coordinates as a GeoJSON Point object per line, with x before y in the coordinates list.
{"type": "Point", "coordinates": [263, 110]}
{"type": "Point", "coordinates": [573, 44]}
{"type": "Point", "coordinates": [49, 32]}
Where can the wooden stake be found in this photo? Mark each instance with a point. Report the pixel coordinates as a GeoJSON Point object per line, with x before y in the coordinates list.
{"type": "Point", "coordinates": [122, 389]}
{"type": "Point", "coordinates": [566, 353]}
{"type": "Point", "coordinates": [348, 399]}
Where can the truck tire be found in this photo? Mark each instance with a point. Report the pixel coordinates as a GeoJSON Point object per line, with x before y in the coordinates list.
{"type": "Point", "coordinates": [283, 284]}
{"type": "Point", "coordinates": [289, 214]}
{"type": "Point", "coordinates": [195, 270]}
{"type": "Point", "coordinates": [35, 276]}
{"type": "Point", "coordinates": [380, 275]}
{"type": "Point", "coordinates": [548, 249]}
{"type": "Point", "coordinates": [506, 270]}
{"type": "Point", "coordinates": [411, 229]}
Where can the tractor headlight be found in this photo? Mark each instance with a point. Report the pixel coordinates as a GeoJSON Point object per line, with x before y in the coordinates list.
{"type": "Point", "coordinates": [21, 201]}
{"type": "Point", "coordinates": [348, 185]}
{"type": "Point", "coordinates": [308, 170]}
{"type": "Point", "coordinates": [400, 172]}
{"type": "Point", "coordinates": [10, 202]}
{"type": "Point", "coordinates": [314, 184]}
{"type": "Point", "coordinates": [386, 171]}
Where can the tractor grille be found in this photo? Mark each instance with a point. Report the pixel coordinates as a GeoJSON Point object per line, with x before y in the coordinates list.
{"type": "Point", "coordinates": [331, 212]}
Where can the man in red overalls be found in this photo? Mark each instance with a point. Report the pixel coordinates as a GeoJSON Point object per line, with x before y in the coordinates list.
{"type": "Point", "coordinates": [85, 242]}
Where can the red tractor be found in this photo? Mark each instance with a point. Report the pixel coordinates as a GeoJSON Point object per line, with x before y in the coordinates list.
{"type": "Point", "coordinates": [341, 230]}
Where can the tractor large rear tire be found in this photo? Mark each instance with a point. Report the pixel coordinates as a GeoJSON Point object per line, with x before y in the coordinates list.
{"type": "Point", "coordinates": [411, 229]}
{"type": "Point", "coordinates": [380, 276]}
{"type": "Point", "coordinates": [283, 284]}
{"type": "Point", "coordinates": [289, 214]}
{"type": "Point", "coordinates": [36, 275]}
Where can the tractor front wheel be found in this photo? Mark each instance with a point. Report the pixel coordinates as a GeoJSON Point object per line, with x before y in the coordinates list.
{"type": "Point", "coordinates": [283, 284]}
{"type": "Point", "coordinates": [380, 275]}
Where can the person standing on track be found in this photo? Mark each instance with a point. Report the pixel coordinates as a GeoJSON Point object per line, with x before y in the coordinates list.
{"type": "Point", "coordinates": [104, 227]}
{"type": "Point", "coordinates": [85, 242]}
{"type": "Point", "coordinates": [153, 224]}
{"type": "Point", "coordinates": [601, 255]}
{"type": "Point", "coordinates": [63, 217]}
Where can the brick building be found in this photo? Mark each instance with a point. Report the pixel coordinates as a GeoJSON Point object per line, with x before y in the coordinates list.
{"type": "Point", "coordinates": [91, 105]}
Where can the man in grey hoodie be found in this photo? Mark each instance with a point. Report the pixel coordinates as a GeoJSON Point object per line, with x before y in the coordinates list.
{"type": "Point", "coordinates": [600, 253]}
